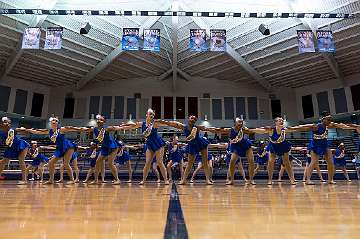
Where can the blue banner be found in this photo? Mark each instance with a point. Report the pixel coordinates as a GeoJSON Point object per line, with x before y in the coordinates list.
{"type": "Point", "coordinates": [130, 39]}
{"type": "Point", "coordinates": [217, 40]}
{"type": "Point", "coordinates": [151, 40]}
{"type": "Point", "coordinates": [326, 41]}
{"type": "Point", "coordinates": [198, 40]}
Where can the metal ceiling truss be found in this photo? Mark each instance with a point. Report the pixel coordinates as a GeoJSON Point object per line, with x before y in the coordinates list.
{"type": "Point", "coordinates": [12, 60]}
{"type": "Point", "coordinates": [111, 57]}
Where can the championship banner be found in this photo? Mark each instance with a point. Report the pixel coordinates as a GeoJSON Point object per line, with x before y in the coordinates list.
{"type": "Point", "coordinates": [53, 40]}
{"type": "Point", "coordinates": [198, 40]}
{"type": "Point", "coordinates": [326, 41]}
{"type": "Point", "coordinates": [130, 39]}
{"type": "Point", "coordinates": [217, 40]}
{"type": "Point", "coordinates": [31, 38]}
{"type": "Point", "coordinates": [306, 41]}
{"type": "Point", "coordinates": [151, 40]}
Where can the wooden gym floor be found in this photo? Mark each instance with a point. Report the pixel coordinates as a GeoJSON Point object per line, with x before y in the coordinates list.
{"type": "Point", "coordinates": [158, 211]}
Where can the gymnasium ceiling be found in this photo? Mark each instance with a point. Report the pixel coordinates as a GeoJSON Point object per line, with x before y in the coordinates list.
{"type": "Point", "coordinates": [270, 61]}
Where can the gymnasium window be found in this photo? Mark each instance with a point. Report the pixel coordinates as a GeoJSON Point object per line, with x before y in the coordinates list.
{"type": "Point", "coordinates": [252, 108]}
{"type": "Point", "coordinates": [20, 101]}
{"type": "Point", "coordinates": [156, 106]}
{"type": "Point", "coordinates": [240, 107]}
{"type": "Point", "coordinates": [94, 105]}
{"type": "Point", "coordinates": [307, 106]}
{"type": "Point", "coordinates": [229, 107]}
{"type": "Point", "coordinates": [37, 104]}
{"type": "Point", "coordinates": [168, 107]}
{"type": "Point", "coordinates": [69, 108]}
{"type": "Point", "coordinates": [355, 89]}
{"type": "Point", "coordinates": [144, 106]}
{"type": "Point", "coordinates": [4, 97]}
{"type": "Point", "coordinates": [217, 109]}
{"type": "Point", "coordinates": [180, 107]}
{"type": "Point", "coordinates": [205, 108]}
{"type": "Point", "coordinates": [131, 108]}
{"type": "Point", "coordinates": [106, 106]}
{"type": "Point", "coordinates": [323, 101]}
{"type": "Point", "coordinates": [340, 100]}
{"type": "Point", "coordinates": [193, 106]}
{"type": "Point", "coordinates": [275, 108]}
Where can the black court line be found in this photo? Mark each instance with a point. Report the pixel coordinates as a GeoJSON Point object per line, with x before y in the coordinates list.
{"type": "Point", "coordinates": [175, 222]}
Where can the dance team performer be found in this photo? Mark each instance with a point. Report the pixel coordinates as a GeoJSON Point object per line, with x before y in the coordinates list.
{"type": "Point", "coordinates": [195, 145]}
{"type": "Point", "coordinates": [74, 163]}
{"type": "Point", "coordinates": [340, 161]}
{"type": "Point", "coordinates": [123, 157]}
{"type": "Point", "coordinates": [198, 160]}
{"type": "Point", "coordinates": [357, 157]}
{"type": "Point", "coordinates": [282, 167]}
{"type": "Point", "coordinates": [38, 160]}
{"type": "Point", "coordinates": [262, 157]}
{"type": "Point", "coordinates": [238, 165]}
{"type": "Point", "coordinates": [16, 147]}
{"type": "Point", "coordinates": [240, 146]}
{"type": "Point", "coordinates": [154, 144]}
{"type": "Point", "coordinates": [319, 145]}
{"type": "Point", "coordinates": [278, 146]}
{"type": "Point", "coordinates": [307, 163]}
{"type": "Point", "coordinates": [175, 156]}
{"type": "Point", "coordinates": [109, 147]}
{"type": "Point", "coordinates": [92, 153]}
{"type": "Point", "coordinates": [64, 147]}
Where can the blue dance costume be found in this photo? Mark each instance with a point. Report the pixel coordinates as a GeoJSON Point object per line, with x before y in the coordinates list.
{"type": "Point", "coordinates": [262, 157]}
{"type": "Point", "coordinates": [92, 156]}
{"type": "Point", "coordinates": [103, 137]}
{"type": "Point", "coordinates": [339, 158]}
{"type": "Point", "coordinates": [175, 153]}
{"type": "Point", "coordinates": [278, 144]}
{"type": "Point", "coordinates": [198, 158]}
{"type": "Point", "coordinates": [319, 143]}
{"type": "Point", "coordinates": [308, 158]}
{"type": "Point", "coordinates": [36, 157]}
{"type": "Point", "coordinates": [74, 156]}
{"type": "Point", "coordinates": [228, 156]}
{"type": "Point", "coordinates": [14, 144]}
{"type": "Point", "coordinates": [62, 143]}
{"type": "Point", "coordinates": [242, 145]}
{"type": "Point", "coordinates": [153, 141]}
{"type": "Point", "coordinates": [123, 156]}
{"type": "Point", "coordinates": [154, 159]}
{"type": "Point", "coordinates": [197, 144]}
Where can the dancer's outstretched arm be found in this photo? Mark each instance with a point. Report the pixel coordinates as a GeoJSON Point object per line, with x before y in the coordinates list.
{"type": "Point", "coordinates": [262, 130]}
{"type": "Point", "coordinates": [173, 124]}
{"type": "Point", "coordinates": [34, 131]}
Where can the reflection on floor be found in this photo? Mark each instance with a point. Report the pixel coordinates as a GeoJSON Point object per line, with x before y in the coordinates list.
{"type": "Point", "coordinates": [281, 210]}
{"type": "Point", "coordinates": [218, 211]}
{"type": "Point", "coordinates": [68, 211]}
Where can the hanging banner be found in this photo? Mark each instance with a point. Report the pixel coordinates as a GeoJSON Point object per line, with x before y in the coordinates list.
{"type": "Point", "coordinates": [31, 38]}
{"type": "Point", "coordinates": [151, 40]}
{"type": "Point", "coordinates": [130, 39]}
{"type": "Point", "coordinates": [306, 41]}
{"type": "Point", "coordinates": [326, 41]}
{"type": "Point", "coordinates": [53, 40]}
{"type": "Point", "coordinates": [217, 40]}
{"type": "Point", "coordinates": [198, 40]}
